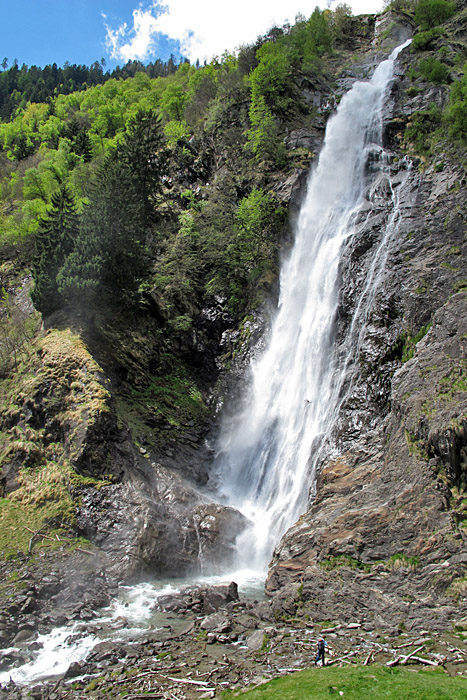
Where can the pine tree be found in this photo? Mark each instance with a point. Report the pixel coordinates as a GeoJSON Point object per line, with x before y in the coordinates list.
{"type": "Point", "coordinates": [55, 240]}
{"type": "Point", "coordinates": [108, 259]}
{"type": "Point", "coordinates": [145, 158]}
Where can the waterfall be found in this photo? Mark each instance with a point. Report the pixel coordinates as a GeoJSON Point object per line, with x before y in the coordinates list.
{"type": "Point", "coordinates": [267, 456]}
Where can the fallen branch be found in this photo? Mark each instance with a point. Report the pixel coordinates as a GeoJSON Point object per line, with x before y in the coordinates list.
{"type": "Point", "coordinates": [144, 695]}
{"type": "Point", "coordinates": [459, 651]}
{"type": "Point", "coordinates": [425, 661]}
{"type": "Point", "coordinates": [368, 658]}
{"type": "Point", "coordinates": [135, 678]}
{"type": "Point", "coordinates": [341, 658]}
{"type": "Point", "coordinates": [86, 551]}
{"type": "Point", "coordinates": [411, 655]}
{"type": "Point", "coordinates": [37, 533]}
{"type": "Point", "coordinates": [403, 659]}
{"type": "Point", "coordinates": [404, 646]}
{"type": "Point", "coordinates": [186, 680]}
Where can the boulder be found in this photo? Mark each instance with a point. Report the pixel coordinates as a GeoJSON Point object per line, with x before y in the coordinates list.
{"type": "Point", "coordinates": [217, 622]}
{"type": "Point", "coordinates": [219, 596]}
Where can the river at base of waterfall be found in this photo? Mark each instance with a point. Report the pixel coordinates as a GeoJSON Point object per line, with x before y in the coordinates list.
{"type": "Point", "coordinates": [133, 614]}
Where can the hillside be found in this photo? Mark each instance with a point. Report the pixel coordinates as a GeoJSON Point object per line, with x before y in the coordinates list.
{"type": "Point", "coordinates": [143, 224]}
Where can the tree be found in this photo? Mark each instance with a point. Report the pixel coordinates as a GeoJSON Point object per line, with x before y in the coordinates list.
{"type": "Point", "coordinates": [142, 153]}
{"type": "Point", "coordinates": [263, 136]}
{"type": "Point", "coordinates": [17, 329]}
{"type": "Point", "coordinates": [108, 259]}
{"type": "Point", "coordinates": [430, 13]}
{"type": "Point", "coordinates": [55, 240]}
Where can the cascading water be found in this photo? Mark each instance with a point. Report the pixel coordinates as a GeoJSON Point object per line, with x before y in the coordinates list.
{"type": "Point", "coordinates": [268, 454]}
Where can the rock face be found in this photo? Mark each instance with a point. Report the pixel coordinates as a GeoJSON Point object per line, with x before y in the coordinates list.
{"type": "Point", "coordinates": [385, 536]}
{"type": "Point", "coordinates": [156, 522]}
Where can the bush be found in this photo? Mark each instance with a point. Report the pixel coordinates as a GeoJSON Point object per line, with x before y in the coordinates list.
{"type": "Point", "coordinates": [456, 111]}
{"type": "Point", "coordinates": [432, 69]}
{"type": "Point", "coordinates": [420, 127]}
{"type": "Point", "coordinates": [424, 40]}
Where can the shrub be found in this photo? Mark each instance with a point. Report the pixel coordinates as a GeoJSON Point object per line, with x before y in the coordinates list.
{"type": "Point", "coordinates": [434, 70]}
{"type": "Point", "coordinates": [456, 111]}
{"type": "Point", "coordinates": [424, 40]}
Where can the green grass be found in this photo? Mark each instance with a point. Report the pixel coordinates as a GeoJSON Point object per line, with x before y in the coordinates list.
{"type": "Point", "coordinates": [360, 683]}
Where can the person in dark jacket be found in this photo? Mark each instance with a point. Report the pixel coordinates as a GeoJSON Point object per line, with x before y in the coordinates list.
{"type": "Point", "coordinates": [321, 651]}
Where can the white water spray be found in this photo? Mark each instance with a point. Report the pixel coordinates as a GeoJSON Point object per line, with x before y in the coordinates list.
{"type": "Point", "coordinates": [268, 455]}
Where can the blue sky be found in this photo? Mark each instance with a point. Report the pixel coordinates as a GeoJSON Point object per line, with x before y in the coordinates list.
{"type": "Point", "coordinates": [83, 31]}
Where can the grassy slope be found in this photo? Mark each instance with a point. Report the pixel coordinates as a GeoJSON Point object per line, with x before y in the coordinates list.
{"type": "Point", "coordinates": [360, 683]}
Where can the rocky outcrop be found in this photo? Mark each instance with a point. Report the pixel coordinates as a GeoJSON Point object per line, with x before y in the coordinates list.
{"type": "Point", "coordinates": [156, 523]}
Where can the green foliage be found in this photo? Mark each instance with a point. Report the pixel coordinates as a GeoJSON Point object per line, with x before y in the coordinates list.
{"type": "Point", "coordinates": [430, 13]}
{"type": "Point", "coordinates": [175, 397]}
{"type": "Point", "coordinates": [176, 132]}
{"type": "Point", "coordinates": [55, 240]}
{"type": "Point", "coordinates": [273, 92]}
{"type": "Point", "coordinates": [263, 136]}
{"type": "Point", "coordinates": [336, 562]}
{"type": "Point", "coordinates": [401, 560]}
{"type": "Point", "coordinates": [434, 70]}
{"type": "Point", "coordinates": [105, 254]}
{"type": "Point", "coordinates": [424, 40]}
{"type": "Point", "coordinates": [271, 79]}
{"type": "Point", "coordinates": [410, 341]}
{"type": "Point", "coordinates": [141, 153]}
{"type": "Point", "coordinates": [340, 20]}
{"type": "Point", "coordinates": [173, 101]}
{"type": "Point", "coordinates": [17, 329]}
{"type": "Point", "coordinates": [456, 111]}
{"type": "Point", "coordinates": [419, 130]}
{"type": "Point", "coordinates": [251, 255]}
{"type": "Point", "coordinates": [108, 258]}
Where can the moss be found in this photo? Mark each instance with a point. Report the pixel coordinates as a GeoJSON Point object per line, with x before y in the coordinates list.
{"type": "Point", "coordinates": [447, 390]}
{"type": "Point", "coordinates": [458, 588]}
{"type": "Point", "coordinates": [58, 393]}
{"type": "Point", "coordinates": [343, 560]}
{"type": "Point", "coordinates": [170, 401]}
{"type": "Point", "coordinates": [416, 447]}
{"type": "Point", "coordinates": [460, 286]}
{"type": "Point", "coordinates": [407, 342]}
{"type": "Point", "coordinates": [401, 560]}
{"type": "Point", "coordinates": [41, 504]}
{"type": "Point", "coordinates": [422, 288]}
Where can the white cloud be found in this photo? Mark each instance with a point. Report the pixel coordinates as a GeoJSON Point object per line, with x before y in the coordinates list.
{"type": "Point", "coordinates": [207, 28]}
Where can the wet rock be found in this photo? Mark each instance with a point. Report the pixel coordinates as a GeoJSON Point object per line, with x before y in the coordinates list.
{"type": "Point", "coordinates": [23, 635]}
{"type": "Point", "coordinates": [74, 669]}
{"type": "Point", "coordinates": [217, 622]}
{"type": "Point", "coordinates": [219, 596]}
{"type": "Point", "coordinates": [256, 640]}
